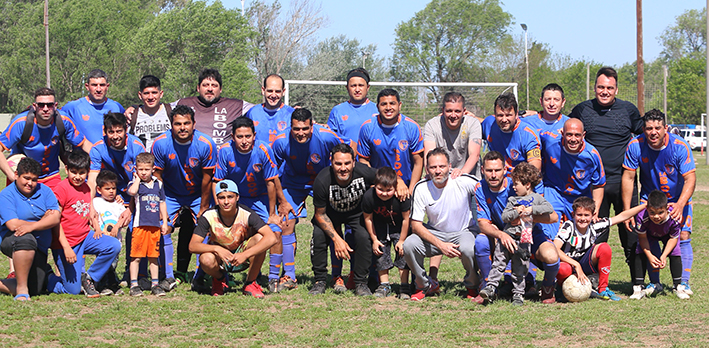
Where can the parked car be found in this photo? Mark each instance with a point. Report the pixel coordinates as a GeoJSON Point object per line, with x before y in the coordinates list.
{"type": "Point", "coordinates": [696, 138]}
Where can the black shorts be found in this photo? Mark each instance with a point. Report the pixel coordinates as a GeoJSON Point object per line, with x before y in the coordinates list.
{"type": "Point", "coordinates": [383, 262]}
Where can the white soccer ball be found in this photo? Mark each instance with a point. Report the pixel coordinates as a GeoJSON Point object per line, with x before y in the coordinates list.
{"type": "Point", "coordinates": [13, 160]}
{"type": "Point", "coordinates": [574, 291]}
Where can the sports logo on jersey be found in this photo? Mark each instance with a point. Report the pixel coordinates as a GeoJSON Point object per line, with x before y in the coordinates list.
{"type": "Point", "coordinates": [403, 145]}
{"type": "Point", "coordinates": [232, 164]}
{"type": "Point", "coordinates": [553, 160]}
{"type": "Point", "coordinates": [580, 174]}
{"type": "Point", "coordinates": [255, 123]}
{"type": "Point", "coordinates": [85, 117]}
{"type": "Point", "coordinates": [282, 125]}
{"type": "Point", "coordinates": [315, 158]}
{"type": "Point", "coordinates": [193, 161]}
{"type": "Point", "coordinates": [171, 156]}
{"type": "Point", "coordinates": [514, 154]}
{"type": "Point", "coordinates": [257, 167]}
{"type": "Point", "coordinates": [669, 169]}
{"type": "Point", "coordinates": [645, 159]}
{"type": "Point", "coordinates": [377, 142]}
{"type": "Point", "coordinates": [345, 117]}
{"type": "Point", "coordinates": [128, 166]}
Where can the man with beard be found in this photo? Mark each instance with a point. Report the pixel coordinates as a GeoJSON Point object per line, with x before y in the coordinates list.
{"type": "Point", "coordinates": [271, 118]}
{"type": "Point", "coordinates": [346, 118]}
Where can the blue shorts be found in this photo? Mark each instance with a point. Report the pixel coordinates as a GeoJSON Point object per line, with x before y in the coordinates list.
{"type": "Point", "coordinates": [260, 206]}
{"type": "Point", "coordinates": [296, 198]}
{"type": "Point", "coordinates": [175, 205]}
{"type": "Point", "coordinates": [586, 261]}
{"type": "Point", "coordinates": [688, 213]}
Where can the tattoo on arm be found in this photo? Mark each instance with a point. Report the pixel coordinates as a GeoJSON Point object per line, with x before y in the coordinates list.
{"type": "Point", "coordinates": [325, 223]}
{"type": "Point", "coordinates": [478, 141]}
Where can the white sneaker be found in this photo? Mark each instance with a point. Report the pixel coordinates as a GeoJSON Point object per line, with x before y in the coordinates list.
{"type": "Point", "coordinates": [653, 289]}
{"type": "Point", "coordinates": [681, 292]}
{"type": "Point", "coordinates": [687, 289]}
{"type": "Point", "coordinates": [638, 292]}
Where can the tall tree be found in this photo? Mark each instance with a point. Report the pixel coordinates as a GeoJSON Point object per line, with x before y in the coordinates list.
{"type": "Point", "coordinates": [687, 37]}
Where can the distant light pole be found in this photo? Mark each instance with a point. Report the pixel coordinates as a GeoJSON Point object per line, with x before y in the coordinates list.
{"type": "Point", "coordinates": [242, 7]}
{"type": "Point", "coordinates": [526, 59]}
{"type": "Point", "coordinates": [364, 57]}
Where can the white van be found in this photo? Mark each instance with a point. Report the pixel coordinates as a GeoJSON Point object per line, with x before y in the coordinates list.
{"type": "Point", "coordinates": [696, 138]}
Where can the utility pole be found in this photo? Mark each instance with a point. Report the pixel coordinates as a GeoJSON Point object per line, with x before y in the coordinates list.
{"type": "Point", "coordinates": [640, 61]}
{"type": "Point", "coordinates": [46, 40]}
{"type": "Point", "coordinates": [588, 79]}
{"type": "Point", "coordinates": [664, 94]}
{"type": "Point", "coordinates": [526, 60]}
{"type": "Point", "coordinates": [706, 160]}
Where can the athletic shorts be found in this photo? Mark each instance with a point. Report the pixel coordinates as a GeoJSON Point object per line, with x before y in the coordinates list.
{"type": "Point", "coordinates": [260, 206]}
{"type": "Point", "coordinates": [175, 206]}
{"type": "Point", "coordinates": [296, 198]}
{"type": "Point", "coordinates": [240, 268]}
{"type": "Point", "coordinates": [383, 262]}
{"type": "Point", "coordinates": [145, 242]}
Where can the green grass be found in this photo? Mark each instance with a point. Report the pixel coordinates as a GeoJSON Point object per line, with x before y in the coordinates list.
{"type": "Point", "coordinates": [186, 319]}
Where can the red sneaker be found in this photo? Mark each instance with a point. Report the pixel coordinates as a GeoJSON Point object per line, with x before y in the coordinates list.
{"type": "Point", "coordinates": [548, 294]}
{"type": "Point", "coordinates": [418, 295]}
{"type": "Point", "coordinates": [253, 289]}
{"type": "Point", "coordinates": [474, 296]}
{"type": "Point", "coordinates": [433, 288]}
{"type": "Point", "coordinates": [11, 275]}
{"type": "Point", "coordinates": [218, 286]}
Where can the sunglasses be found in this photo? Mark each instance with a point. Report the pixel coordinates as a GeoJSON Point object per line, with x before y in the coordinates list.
{"type": "Point", "coordinates": [42, 105]}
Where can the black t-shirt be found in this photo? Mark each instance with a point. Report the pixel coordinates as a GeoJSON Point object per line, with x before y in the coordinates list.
{"type": "Point", "coordinates": [385, 214]}
{"type": "Point", "coordinates": [609, 129]}
{"type": "Point", "coordinates": [342, 202]}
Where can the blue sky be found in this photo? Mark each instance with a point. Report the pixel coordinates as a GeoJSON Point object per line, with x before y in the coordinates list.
{"type": "Point", "coordinates": [602, 31]}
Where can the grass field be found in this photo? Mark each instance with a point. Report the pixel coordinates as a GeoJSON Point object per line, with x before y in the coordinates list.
{"type": "Point", "coordinates": [295, 319]}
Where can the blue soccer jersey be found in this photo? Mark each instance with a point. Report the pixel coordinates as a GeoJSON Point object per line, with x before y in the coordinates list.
{"type": "Point", "coordinates": [347, 118]}
{"type": "Point", "coordinates": [122, 162]}
{"type": "Point", "coordinates": [300, 163]}
{"type": "Point", "coordinates": [270, 123]}
{"type": "Point", "coordinates": [182, 164]}
{"type": "Point", "coordinates": [249, 171]}
{"type": "Point", "coordinates": [540, 125]}
{"type": "Point", "coordinates": [89, 116]}
{"type": "Point", "coordinates": [491, 204]}
{"type": "Point", "coordinates": [571, 175]}
{"type": "Point", "coordinates": [519, 145]}
{"type": "Point", "coordinates": [43, 144]}
{"type": "Point", "coordinates": [660, 169]}
{"type": "Point", "coordinates": [391, 146]}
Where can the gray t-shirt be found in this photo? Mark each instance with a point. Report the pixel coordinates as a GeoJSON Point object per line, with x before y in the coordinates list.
{"type": "Point", "coordinates": [455, 141]}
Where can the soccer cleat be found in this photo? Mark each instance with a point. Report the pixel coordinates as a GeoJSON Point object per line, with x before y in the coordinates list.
{"type": "Point", "coordinates": [168, 284]}
{"type": "Point", "coordinates": [652, 289]}
{"type": "Point", "coordinates": [318, 288]}
{"type": "Point", "coordinates": [180, 277]}
{"type": "Point", "coordinates": [198, 285]}
{"type": "Point", "coordinates": [145, 284]}
{"type": "Point", "coordinates": [273, 286]}
{"type": "Point", "coordinates": [157, 290]}
{"type": "Point", "coordinates": [517, 300]}
{"type": "Point", "coordinates": [548, 294]}
{"type": "Point", "coordinates": [253, 289]}
{"type": "Point", "coordinates": [639, 292]}
{"type": "Point", "coordinates": [681, 292]}
{"type": "Point", "coordinates": [404, 292]}
{"type": "Point", "coordinates": [106, 292]}
{"type": "Point", "coordinates": [136, 291]}
{"type": "Point", "coordinates": [472, 293]}
{"type": "Point", "coordinates": [287, 283]}
{"type": "Point", "coordinates": [607, 294]}
{"type": "Point", "coordinates": [382, 290]}
{"type": "Point", "coordinates": [488, 293]}
{"type": "Point", "coordinates": [361, 289]}
{"type": "Point", "coordinates": [687, 289]}
{"type": "Point", "coordinates": [338, 285]}
{"type": "Point", "coordinates": [218, 286]}
{"type": "Point", "coordinates": [88, 286]}
{"type": "Point", "coordinates": [434, 288]}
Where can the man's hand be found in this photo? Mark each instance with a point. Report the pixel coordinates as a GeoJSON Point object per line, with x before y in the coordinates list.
{"type": "Point", "coordinates": [450, 250]}
{"type": "Point", "coordinates": [399, 247]}
{"type": "Point", "coordinates": [402, 192]}
{"type": "Point", "coordinates": [677, 210]}
{"type": "Point", "coordinates": [580, 274]}
{"type": "Point", "coordinates": [655, 262]}
{"type": "Point", "coordinates": [164, 228]}
{"type": "Point", "coordinates": [284, 208]}
{"type": "Point", "coordinates": [225, 255]}
{"type": "Point", "coordinates": [508, 242]}
{"type": "Point", "coordinates": [238, 259]}
{"type": "Point", "coordinates": [342, 249]}
{"type": "Point", "coordinates": [377, 247]}
{"type": "Point", "coordinates": [24, 229]}
{"type": "Point", "coordinates": [70, 255]}
{"type": "Point", "coordinates": [98, 235]}
{"type": "Point", "coordinates": [128, 113]}
{"type": "Point", "coordinates": [663, 262]}
{"type": "Point", "coordinates": [456, 173]}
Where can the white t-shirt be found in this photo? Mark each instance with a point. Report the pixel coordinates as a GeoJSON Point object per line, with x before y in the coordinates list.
{"type": "Point", "coordinates": [577, 244]}
{"type": "Point", "coordinates": [148, 127]}
{"type": "Point", "coordinates": [450, 209]}
{"type": "Point", "coordinates": [108, 212]}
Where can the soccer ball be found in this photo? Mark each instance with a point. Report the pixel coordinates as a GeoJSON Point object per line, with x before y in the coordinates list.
{"type": "Point", "coordinates": [13, 160]}
{"type": "Point", "coordinates": [574, 291]}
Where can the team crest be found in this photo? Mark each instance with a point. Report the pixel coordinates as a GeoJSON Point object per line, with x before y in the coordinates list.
{"type": "Point", "coordinates": [128, 166]}
{"type": "Point", "coordinates": [257, 167]}
{"type": "Point", "coordinates": [669, 169]}
{"type": "Point", "coordinates": [171, 156]}
{"type": "Point", "coordinates": [85, 117]}
{"type": "Point", "coordinates": [282, 126]}
{"type": "Point", "coordinates": [345, 117]}
{"type": "Point", "coordinates": [315, 158]}
{"type": "Point", "coordinates": [580, 174]}
{"type": "Point", "coordinates": [193, 161]}
{"type": "Point", "coordinates": [55, 140]}
{"type": "Point", "coordinates": [403, 145]}
{"type": "Point", "coordinates": [514, 154]}
{"type": "Point", "coordinates": [377, 142]}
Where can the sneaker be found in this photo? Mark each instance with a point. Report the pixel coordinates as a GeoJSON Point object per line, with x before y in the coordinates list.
{"type": "Point", "coordinates": [687, 289]}
{"type": "Point", "coordinates": [639, 292]}
{"type": "Point", "coordinates": [607, 294]}
{"type": "Point", "coordinates": [157, 290]}
{"type": "Point", "coordinates": [548, 294]}
{"type": "Point", "coordinates": [338, 285]}
{"type": "Point", "coordinates": [118, 292]}
{"type": "Point", "coordinates": [11, 275]}
{"type": "Point", "coordinates": [472, 293]}
{"type": "Point", "coordinates": [88, 286]}
{"type": "Point", "coordinates": [197, 285]}
{"type": "Point", "coordinates": [531, 291]}
{"type": "Point", "coordinates": [180, 277]}
{"type": "Point", "coordinates": [273, 286]}
{"type": "Point", "coordinates": [350, 281]}
{"type": "Point", "coordinates": [518, 300]}
{"type": "Point", "coordinates": [382, 290]}
{"type": "Point", "coordinates": [106, 292]}
{"type": "Point", "coordinates": [681, 292]}
{"type": "Point", "coordinates": [287, 283]}
{"type": "Point", "coordinates": [362, 289]}
{"type": "Point", "coordinates": [218, 286]}
{"type": "Point", "coordinates": [488, 293]}
{"type": "Point", "coordinates": [318, 288]}
{"type": "Point", "coordinates": [253, 289]}
{"type": "Point", "coordinates": [652, 289]}
{"type": "Point", "coordinates": [136, 291]}
{"type": "Point", "coordinates": [404, 292]}
{"type": "Point", "coordinates": [168, 284]}
{"type": "Point", "coordinates": [433, 288]}
{"type": "Point", "coordinates": [145, 284]}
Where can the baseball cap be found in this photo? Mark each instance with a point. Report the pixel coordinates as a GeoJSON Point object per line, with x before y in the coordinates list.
{"type": "Point", "coordinates": [227, 185]}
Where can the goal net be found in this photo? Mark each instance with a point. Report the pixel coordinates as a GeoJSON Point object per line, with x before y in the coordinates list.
{"type": "Point", "coordinates": [420, 101]}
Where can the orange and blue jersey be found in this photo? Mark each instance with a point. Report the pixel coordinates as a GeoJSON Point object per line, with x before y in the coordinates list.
{"type": "Point", "coordinates": [347, 118]}
{"type": "Point", "coordinates": [89, 116]}
{"type": "Point", "coordinates": [270, 123]}
{"type": "Point", "coordinates": [393, 147]}
{"type": "Point", "coordinates": [249, 171]}
{"type": "Point", "coordinates": [43, 145]}
{"type": "Point", "coordinates": [121, 162]}
{"type": "Point", "coordinates": [182, 165]}
{"type": "Point", "coordinates": [662, 169]}
{"type": "Point", "coordinates": [540, 125]}
{"type": "Point", "coordinates": [300, 163]}
{"type": "Point", "coordinates": [491, 204]}
{"type": "Point", "coordinates": [519, 145]}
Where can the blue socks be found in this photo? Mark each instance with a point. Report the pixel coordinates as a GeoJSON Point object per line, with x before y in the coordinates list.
{"type": "Point", "coordinates": [685, 247]}
{"type": "Point", "coordinates": [289, 247]}
{"type": "Point", "coordinates": [274, 269]}
{"type": "Point", "coordinates": [482, 256]}
{"type": "Point", "coordinates": [550, 271]}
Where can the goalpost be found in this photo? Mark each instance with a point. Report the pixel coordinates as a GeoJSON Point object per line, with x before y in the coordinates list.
{"type": "Point", "coordinates": [420, 100]}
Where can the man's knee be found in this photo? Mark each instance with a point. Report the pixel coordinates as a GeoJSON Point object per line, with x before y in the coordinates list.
{"type": "Point", "coordinates": [411, 245]}
{"type": "Point", "coordinates": [11, 244]}
{"type": "Point", "coordinates": [482, 245]}
{"type": "Point", "coordinates": [208, 261]}
{"type": "Point", "coordinates": [684, 235]}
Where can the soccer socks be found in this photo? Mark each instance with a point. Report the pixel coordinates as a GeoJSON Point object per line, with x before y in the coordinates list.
{"type": "Point", "coordinates": [685, 247]}
{"type": "Point", "coordinates": [677, 269]}
{"type": "Point", "coordinates": [604, 255]}
{"type": "Point", "coordinates": [653, 273]}
{"type": "Point", "coordinates": [274, 270]}
{"type": "Point", "coordinates": [335, 262]}
{"type": "Point", "coordinates": [550, 272]}
{"type": "Point", "coordinates": [565, 270]}
{"type": "Point", "coordinates": [289, 245]}
{"type": "Point", "coordinates": [167, 256]}
{"type": "Point", "coordinates": [482, 256]}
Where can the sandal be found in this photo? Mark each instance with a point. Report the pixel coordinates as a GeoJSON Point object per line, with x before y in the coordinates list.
{"type": "Point", "coordinates": [25, 296]}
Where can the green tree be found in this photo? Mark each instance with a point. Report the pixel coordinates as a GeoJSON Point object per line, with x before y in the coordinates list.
{"type": "Point", "coordinates": [686, 90]}
{"type": "Point", "coordinates": [687, 37]}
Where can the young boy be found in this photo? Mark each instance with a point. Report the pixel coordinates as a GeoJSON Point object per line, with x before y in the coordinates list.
{"type": "Point", "coordinates": [150, 207]}
{"type": "Point", "coordinates": [74, 238]}
{"type": "Point", "coordinates": [112, 218]}
{"type": "Point", "coordinates": [654, 225]}
{"type": "Point", "coordinates": [578, 251]}
{"type": "Point", "coordinates": [517, 216]}
{"type": "Point", "coordinates": [387, 221]}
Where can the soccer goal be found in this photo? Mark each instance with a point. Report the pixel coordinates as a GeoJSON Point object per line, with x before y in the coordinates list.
{"type": "Point", "coordinates": [420, 100]}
